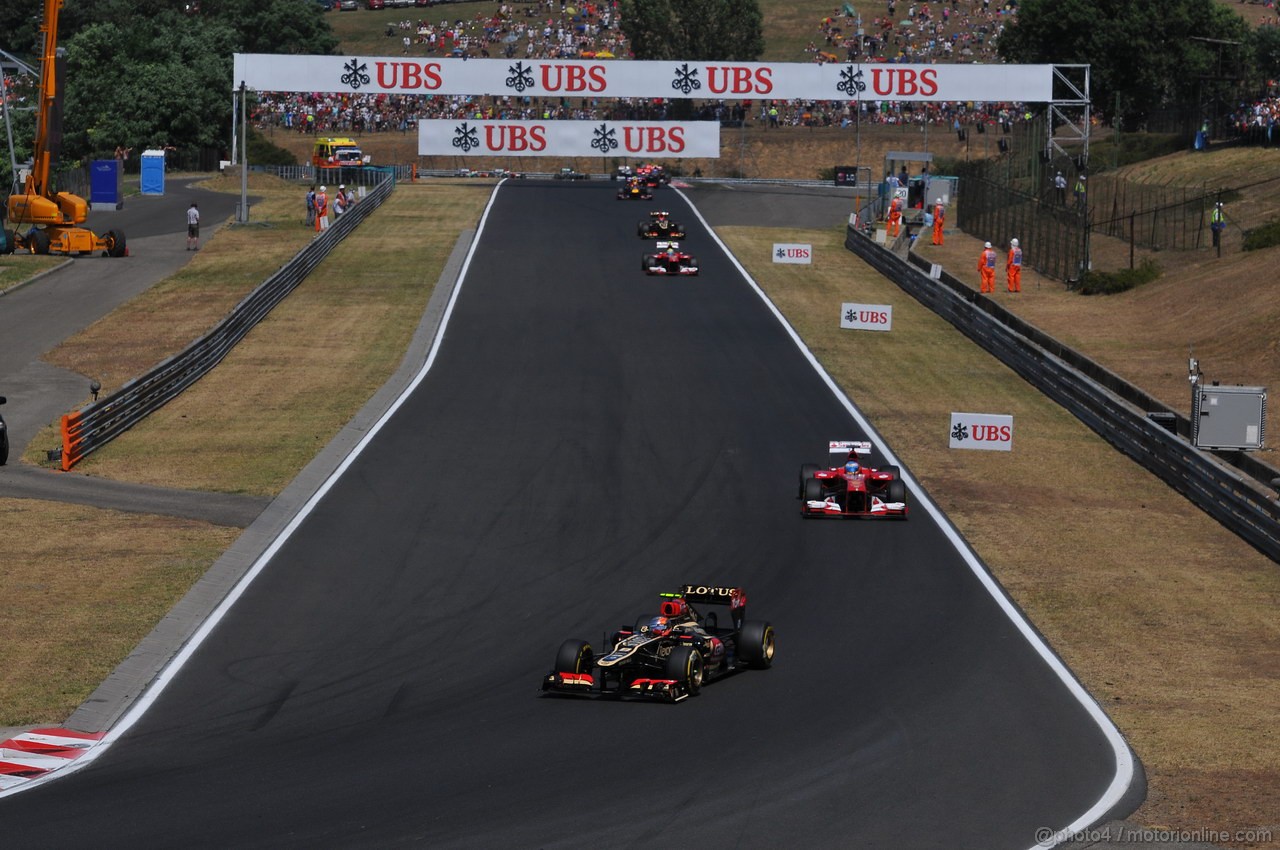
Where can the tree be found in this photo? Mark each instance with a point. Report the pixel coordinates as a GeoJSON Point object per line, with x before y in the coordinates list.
{"type": "Point", "coordinates": [1150, 53]}
{"type": "Point", "coordinates": [1264, 52]}
{"type": "Point", "coordinates": [164, 81]}
{"type": "Point", "coordinates": [696, 30]}
{"type": "Point", "coordinates": [143, 73]}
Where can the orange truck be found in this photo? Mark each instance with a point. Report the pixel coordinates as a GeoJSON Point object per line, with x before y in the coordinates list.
{"type": "Point", "coordinates": [47, 221]}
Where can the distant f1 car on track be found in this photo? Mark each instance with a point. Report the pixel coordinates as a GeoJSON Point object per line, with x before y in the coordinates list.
{"type": "Point", "coordinates": [669, 260]}
{"type": "Point", "coordinates": [669, 655]}
{"type": "Point", "coordinates": [851, 489]}
{"type": "Point", "coordinates": [635, 189]}
{"type": "Point", "coordinates": [660, 226]}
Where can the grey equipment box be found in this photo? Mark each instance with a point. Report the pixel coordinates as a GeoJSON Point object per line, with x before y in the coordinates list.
{"type": "Point", "coordinates": [1228, 417]}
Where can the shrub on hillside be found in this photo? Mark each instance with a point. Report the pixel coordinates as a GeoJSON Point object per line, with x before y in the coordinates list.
{"type": "Point", "coordinates": [1266, 236]}
{"type": "Point", "coordinates": [1109, 283]}
{"type": "Point", "coordinates": [264, 152]}
{"type": "Point", "coordinates": [1133, 147]}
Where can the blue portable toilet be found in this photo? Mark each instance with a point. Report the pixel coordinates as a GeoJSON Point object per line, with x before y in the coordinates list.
{"type": "Point", "coordinates": [106, 185]}
{"type": "Point", "coordinates": [153, 172]}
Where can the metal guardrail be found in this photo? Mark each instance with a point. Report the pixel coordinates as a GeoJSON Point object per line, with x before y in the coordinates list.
{"type": "Point", "coordinates": [93, 426]}
{"type": "Point", "coordinates": [1116, 410]}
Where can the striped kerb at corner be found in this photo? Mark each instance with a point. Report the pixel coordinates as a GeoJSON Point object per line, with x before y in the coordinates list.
{"type": "Point", "coordinates": [33, 754]}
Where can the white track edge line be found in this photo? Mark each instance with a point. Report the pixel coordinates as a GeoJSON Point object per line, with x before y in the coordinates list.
{"type": "Point", "coordinates": [1124, 758]}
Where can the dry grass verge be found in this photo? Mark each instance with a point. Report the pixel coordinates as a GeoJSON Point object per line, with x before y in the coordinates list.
{"type": "Point", "coordinates": [1167, 618]}
{"type": "Point", "coordinates": [81, 587]}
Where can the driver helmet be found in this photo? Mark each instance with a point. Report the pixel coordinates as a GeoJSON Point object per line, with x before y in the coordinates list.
{"type": "Point", "coordinates": [658, 626]}
{"type": "Point", "coordinates": [851, 467]}
{"type": "Point", "coordinates": [1013, 242]}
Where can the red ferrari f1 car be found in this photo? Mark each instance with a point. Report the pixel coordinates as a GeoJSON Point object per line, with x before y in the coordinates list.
{"type": "Point", "coordinates": [669, 655]}
{"type": "Point", "coordinates": [669, 260]}
{"type": "Point", "coordinates": [851, 489]}
{"type": "Point", "coordinates": [660, 226]}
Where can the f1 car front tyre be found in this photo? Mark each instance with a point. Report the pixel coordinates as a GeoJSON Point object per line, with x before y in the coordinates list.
{"type": "Point", "coordinates": [806, 472]}
{"type": "Point", "coordinates": [684, 664]}
{"type": "Point", "coordinates": [4, 448]}
{"type": "Point", "coordinates": [575, 656]}
{"type": "Point", "coordinates": [813, 490]}
{"type": "Point", "coordinates": [896, 491]}
{"type": "Point", "coordinates": [755, 644]}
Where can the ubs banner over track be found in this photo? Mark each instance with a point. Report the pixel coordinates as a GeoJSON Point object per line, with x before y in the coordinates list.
{"type": "Point", "coordinates": [648, 79]}
{"type": "Point", "coordinates": [667, 139]}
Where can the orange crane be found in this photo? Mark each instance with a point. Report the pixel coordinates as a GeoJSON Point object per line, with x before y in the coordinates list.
{"type": "Point", "coordinates": [47, 221]}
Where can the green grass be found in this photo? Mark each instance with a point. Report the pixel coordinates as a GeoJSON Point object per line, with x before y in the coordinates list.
{"type": "Point", "coordinates": [16, 268]}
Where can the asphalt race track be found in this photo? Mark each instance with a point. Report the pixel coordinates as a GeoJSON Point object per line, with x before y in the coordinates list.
{"type": "Point", "coordinates": [586, 438]}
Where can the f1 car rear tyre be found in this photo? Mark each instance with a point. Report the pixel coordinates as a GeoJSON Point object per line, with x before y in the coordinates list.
{"type": "Point", "coordinates": [892, 470]}
{"type": "Point", "coordinates": [684, 664]}
{"type": "Point", "coordinates": [4, 449]}
{"type": "Point", "coordinates": [575, 656]}
{"type": "Point", "coordinates": [755, 644]}
{"type": "Point", "coordinates": [813, 490]}
{"type": "Point", "coordinates": [896, 491]}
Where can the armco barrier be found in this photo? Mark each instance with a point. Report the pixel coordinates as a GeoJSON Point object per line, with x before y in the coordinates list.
{"type": "Point", "coordinates": [1115, 409]}
{"type": "Point", "coordinates": [93, 426]}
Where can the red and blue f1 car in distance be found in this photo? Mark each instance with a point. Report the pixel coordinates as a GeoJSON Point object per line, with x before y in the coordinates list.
{"type": "Point", "coordinates": [635, 189]}
{"type": "Point", "coordinates": [669, 260]}
{"type": "Point", "coordinates": [851, 489]}
{"type": "Point", "coordinates": [668, 655]}
{"type": "Point", "coordinates": [660, 226]}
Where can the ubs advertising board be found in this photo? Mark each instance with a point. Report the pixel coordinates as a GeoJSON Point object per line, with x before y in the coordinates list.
{"type": "Point", "coordinates": [667, 139]}
{"type": "Point", "coordinates": [647, 79]}
{"type": "Point", "coordinates": [991, 432]}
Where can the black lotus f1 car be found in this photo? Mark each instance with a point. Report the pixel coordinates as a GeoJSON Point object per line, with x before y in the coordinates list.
{"type": "Point", "coordinates": [851, 489]}
{"type": "Point", "coordinates": [669, 655]}
{"type": "Point", "coordinates": [660, 226]}
{"type": "Point", "coordinates": [669, 260]}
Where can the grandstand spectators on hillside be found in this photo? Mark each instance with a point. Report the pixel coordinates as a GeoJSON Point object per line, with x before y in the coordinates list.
{"type": "Point", "coordinates": [545, 30]}
{"type": "Point", "coordinates": [962, 31]}
{"type": "Point", "coordinates": [1256, 122]}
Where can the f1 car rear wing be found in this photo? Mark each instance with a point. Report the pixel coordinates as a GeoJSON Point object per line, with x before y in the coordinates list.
{"type": "Point", "coordinates": [709, 594]}
{"type": "Point", "coordinates": [845, 447]}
